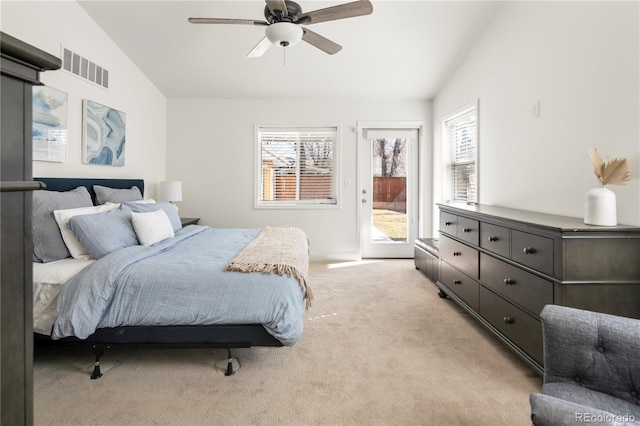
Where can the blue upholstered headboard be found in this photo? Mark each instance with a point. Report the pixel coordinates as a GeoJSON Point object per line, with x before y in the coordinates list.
{"type": "Point", "coordinates": [66, 184]}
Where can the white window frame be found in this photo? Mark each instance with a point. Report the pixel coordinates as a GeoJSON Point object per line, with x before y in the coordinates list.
{"type": "Point", "coordinates": [463, 114]}
{"type": "Point", "coordinates": [296, 204]}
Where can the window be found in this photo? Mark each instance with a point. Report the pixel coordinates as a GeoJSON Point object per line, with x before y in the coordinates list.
{"type": "Point", "coordinates": [297, 166]}
{"type": "Point", "coordinates": [460, 134]}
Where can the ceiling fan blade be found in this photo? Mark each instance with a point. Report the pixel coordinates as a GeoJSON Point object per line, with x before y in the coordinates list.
{"type": "Point", "coordinates": [260, 48]}
{"type": "Point", "coordinates": [226, 21]}
{"type": "Point", "coordinates": [275, 5]}
{"type": "Point", "coordinates": [320, 42]}
{"type": "Point", "coordinates": [342, 11]}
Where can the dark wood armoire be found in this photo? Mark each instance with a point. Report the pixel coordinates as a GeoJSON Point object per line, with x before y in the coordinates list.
{"type": "Point", "coordinates": [20, 65]}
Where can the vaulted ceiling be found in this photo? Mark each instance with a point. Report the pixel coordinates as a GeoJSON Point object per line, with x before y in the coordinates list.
{"type": "Point", "coordinates": [403, 50]}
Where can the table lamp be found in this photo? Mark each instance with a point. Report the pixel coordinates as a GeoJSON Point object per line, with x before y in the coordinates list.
{"type": "Point", "coordinates": [170, 190]}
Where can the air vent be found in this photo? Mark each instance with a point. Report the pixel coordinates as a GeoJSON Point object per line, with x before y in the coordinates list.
{"type": "Point", "coordinates": [84, 68]}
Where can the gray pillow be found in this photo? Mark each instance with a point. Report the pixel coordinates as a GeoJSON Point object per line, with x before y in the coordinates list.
{"type": "Point", "coordinates": [169, 208]}
{"type": "Point", "coordinates": [102, 233]}
{"type": "Point", "coordinates": [104, 194]}
{"type": "Point", "coordinates": [47, 240]}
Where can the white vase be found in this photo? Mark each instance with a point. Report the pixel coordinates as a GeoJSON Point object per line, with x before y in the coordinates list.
{"type": "Point", "coordinates": [600, 207]}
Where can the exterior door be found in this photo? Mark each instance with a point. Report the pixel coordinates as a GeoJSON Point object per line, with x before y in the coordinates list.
{"type": "Point", "coordinates": [389, 190]}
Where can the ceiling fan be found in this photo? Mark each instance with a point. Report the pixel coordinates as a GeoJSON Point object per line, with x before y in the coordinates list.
{"type": "Point", "coordinates": [283, 20]}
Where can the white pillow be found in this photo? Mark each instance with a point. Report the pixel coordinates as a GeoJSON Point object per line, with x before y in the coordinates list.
{"type": "Point", "coordinates": [152, 227]}
{"type": "Point", "coordinates": [62, 217]}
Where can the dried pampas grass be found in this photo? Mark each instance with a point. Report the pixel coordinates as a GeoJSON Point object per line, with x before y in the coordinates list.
{"type": "Point", "coordinates": [613, 172]}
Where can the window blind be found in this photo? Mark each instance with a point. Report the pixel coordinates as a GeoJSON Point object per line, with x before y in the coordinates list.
{"type": "Point", "coordinates": [463, 145]}
{"type": "Point", "coordinates": [297, 166]}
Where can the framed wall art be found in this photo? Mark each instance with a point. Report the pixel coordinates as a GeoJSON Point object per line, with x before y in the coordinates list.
{"type": "Point", "coordinates": [49, 124]}
{"type": "Point", "coordinates": [103, 136]}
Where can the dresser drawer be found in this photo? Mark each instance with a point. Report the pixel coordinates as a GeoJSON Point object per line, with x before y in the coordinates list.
{"type": "Point", "coordinates": [460, 255]}
{"type": "Point", "coordinates": [468, 230]}
{"type": "Point", "coordinates": [533, 251]}
{"type": "Point", "coordinates": [464, 287]}
{"type": "Point", "coordinates": [527, 290]}
{"type": "Point", "coordinates": [516, 325]}
{"type": "Point", "coordinates": [495, 239]}
{"type": "Point", "coordinates": [448, 223]}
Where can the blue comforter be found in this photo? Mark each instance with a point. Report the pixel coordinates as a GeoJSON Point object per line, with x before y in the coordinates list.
{"type": "Point", "coordinates": [179, 281]}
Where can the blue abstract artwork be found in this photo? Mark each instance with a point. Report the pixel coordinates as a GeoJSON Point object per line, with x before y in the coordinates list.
{"type": "Point", "coordinates": [104, 134]}
{"type": "Point", "coordinates": [49, 131]}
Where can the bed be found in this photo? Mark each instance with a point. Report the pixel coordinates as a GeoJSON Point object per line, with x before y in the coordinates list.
{"type": "Point", "coordinates": [196, 286]}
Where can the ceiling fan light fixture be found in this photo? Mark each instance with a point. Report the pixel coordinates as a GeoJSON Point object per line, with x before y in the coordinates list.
{"type": "Point", "coordinates": [284, 34]}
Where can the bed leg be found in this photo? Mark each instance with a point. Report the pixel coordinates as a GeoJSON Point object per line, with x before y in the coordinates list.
{"type": "Point", "coordinates": [98, 352]}
{"type": "Point", "coordinates": [230, 371]}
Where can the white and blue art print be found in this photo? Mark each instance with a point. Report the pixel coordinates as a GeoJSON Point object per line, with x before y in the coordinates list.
{"type": "Point", "coordinates": [49, 124]}
{"type": "Point", "coordinates": [103, 135]}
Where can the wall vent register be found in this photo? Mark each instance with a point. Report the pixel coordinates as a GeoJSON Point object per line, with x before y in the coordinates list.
{"type": "Point", "coordinates": [84, 68]}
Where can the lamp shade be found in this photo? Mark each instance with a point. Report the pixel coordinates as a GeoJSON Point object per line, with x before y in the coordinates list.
{"type": "Point", "coordinates": [170, 190]}
{"type": "Point", "coordinates": [284, 33]}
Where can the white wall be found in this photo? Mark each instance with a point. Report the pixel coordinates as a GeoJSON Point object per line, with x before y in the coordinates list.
{"type": "Point", "coordinates": [580, 60]}
{"type": "Point", "coordinates": [50, 24]}
{"type": "Point", "coordinates": [211, 146]}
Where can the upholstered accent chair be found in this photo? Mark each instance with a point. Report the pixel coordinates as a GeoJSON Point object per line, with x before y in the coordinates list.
{"type": "Point", "coordinates": [591, 369]}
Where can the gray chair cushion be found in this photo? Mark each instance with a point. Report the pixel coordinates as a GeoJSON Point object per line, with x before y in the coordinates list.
{"type": "Point", "coordinates": [591, 369]}
{"type": "Point", "coordinates": [47, 240]}
{"type": "Point", "coordinates": [595, 350]}
{"type": "Point", "coordinates": [104, 194]}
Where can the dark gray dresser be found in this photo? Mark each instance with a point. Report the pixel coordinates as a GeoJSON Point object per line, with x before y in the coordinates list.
{"type": "Point", "coordinates": [503, 265]}
{"type": "Point", "coordinates": [21, 66]}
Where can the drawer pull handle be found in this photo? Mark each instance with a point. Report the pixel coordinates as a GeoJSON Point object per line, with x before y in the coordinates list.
{"type": "Point", "coordinates": [457, 253]}
{"type": "Point", "coordinates": [508, 320]}
{"type": "Point", "coordinates": [509, 281]}
{"type": "Point", "coordinates": [529, 250]}
{"type": "Point", "coordinates": [493, 239]}
{"type": "Point", "coordinates": [466, 230]}
{"type": "Point", "coordinates": [447, 223]}
{"type": "Point", "coordinates": [457, 282]}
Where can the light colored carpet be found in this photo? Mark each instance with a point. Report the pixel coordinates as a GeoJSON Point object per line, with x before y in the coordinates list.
{"type": "Point", "coordinates": [379, 348]}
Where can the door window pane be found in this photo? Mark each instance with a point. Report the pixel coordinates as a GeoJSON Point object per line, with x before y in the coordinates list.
{"type": "Point", "coordinates": [389, 189]}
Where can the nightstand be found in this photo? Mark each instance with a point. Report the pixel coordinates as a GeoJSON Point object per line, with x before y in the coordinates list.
{"type": "Point", "coordinates": [189, 220]}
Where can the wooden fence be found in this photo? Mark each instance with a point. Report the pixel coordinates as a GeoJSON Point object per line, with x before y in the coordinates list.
{"type": "Point", "coordinates": [311, 187]}
{"type": "Point", "coordinates": [390, 193]}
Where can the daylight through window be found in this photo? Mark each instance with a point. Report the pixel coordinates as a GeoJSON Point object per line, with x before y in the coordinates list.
{"type": "Point", "coordinates": [297, 166]}
{"type": "Point", "coordinates": [462, 177]}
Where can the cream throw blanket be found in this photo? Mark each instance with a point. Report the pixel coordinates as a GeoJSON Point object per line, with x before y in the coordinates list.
{"type": "Point", "coordinates": [280, 250]}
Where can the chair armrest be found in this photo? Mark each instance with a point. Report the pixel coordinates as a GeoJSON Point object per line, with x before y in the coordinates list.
{"type": "Point", "coordinates": [550, 411]}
